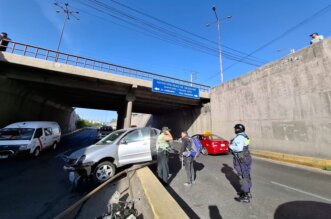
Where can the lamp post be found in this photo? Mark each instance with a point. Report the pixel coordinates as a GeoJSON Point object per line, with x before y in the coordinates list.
{"type": "Point", "coordinates": [67, 14]}
{"type": "Point", "coordinates": [218, 23]}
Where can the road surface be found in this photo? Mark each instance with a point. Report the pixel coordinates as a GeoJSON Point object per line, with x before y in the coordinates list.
{"type": "Point", "coordinates": [39, 187]}
{"type": "Point", "coordinates": [279, 191]}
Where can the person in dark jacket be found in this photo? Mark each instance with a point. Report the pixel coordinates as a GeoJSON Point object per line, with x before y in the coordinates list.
{"type": "Point", "coordinates": [4, 41]}
{"type": "Point", "coordinates": [187, 159]}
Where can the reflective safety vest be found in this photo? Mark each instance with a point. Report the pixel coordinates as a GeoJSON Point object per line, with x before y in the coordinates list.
{"type": "Point", "coordinates": [247, 141]}
{"type": "Point", "coordinates": [161, 143]}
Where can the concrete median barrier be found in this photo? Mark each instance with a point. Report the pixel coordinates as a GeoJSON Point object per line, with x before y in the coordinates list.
{"type": "Point", "coordinates": [161, 203]}
{"type": "Point", "coordinates": [291, 158]}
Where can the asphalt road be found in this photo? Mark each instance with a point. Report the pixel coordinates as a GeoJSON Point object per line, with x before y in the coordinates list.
{"type": "Point", "coordinates": [39, 188]}
{"type": "Point", "coordinates": [279, 191]}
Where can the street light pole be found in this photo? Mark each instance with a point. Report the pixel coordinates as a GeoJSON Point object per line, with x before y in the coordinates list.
{"type": "Point", "coordinates": [67, 14]}
{"type": "Point", "coordinates": [218, 22]}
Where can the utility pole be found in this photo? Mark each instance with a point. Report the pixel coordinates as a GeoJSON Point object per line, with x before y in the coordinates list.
{"type": "Point", "coordinates": [67, 15]}
{"type": "Point", "coordinates": [218, 23]}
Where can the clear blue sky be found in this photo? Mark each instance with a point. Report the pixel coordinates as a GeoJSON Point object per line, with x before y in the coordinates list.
{"type": "Point", "coordinates": [98, 35]}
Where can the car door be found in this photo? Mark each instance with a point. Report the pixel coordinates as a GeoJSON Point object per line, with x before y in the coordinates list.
{"type": "Point", "coordinates": [134, 148]}
{"type": "Point", "coordinates": [48, 137]}
{"type": "Point", "coordinates": [39, 138]}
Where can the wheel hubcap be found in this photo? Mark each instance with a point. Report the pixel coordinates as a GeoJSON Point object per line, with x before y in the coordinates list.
{"type": "Point", "coordinates": [104, 172]}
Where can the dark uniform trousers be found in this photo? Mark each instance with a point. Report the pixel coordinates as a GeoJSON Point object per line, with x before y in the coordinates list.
{"type": "Point", "coordinates": [242, 162]}
{"type": "Point", "coordinates": [162, 165]}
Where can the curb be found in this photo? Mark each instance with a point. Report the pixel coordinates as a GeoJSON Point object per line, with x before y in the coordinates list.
{"type": "Point", "coordinates": [291, 158]}
{"type": "Point", "coordinates": [73, 132]}
{"type": "Point", "coordinates": [162, 204]}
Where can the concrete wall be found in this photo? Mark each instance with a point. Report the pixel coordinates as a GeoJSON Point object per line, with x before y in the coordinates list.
{"type": "Point", "coordinates": [286, 105]}
{"type": "Point", "coordinates": [194, 121]}
{"type": "Point", "coordinates": [19, 103]}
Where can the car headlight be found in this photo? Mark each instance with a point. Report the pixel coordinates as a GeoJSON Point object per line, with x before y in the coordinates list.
{"type": "Point", "coordinates": [81, 159]}
{"type": "Point", "coordinates": [23, 147]}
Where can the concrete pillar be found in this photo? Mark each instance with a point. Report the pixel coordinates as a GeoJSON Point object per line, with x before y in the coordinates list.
{"type": "Point", "coordinates": [120, 119]}
{"type": "Point", "coordinates": [130, 98]}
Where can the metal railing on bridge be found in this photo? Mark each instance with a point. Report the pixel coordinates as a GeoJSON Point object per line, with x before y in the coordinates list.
{"type": "Point", "coordinates": [65, 58]}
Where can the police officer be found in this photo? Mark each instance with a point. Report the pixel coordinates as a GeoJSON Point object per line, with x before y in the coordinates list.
{"type": "Point", "coordinates": [163, 148]}
{"type": "Point", "coordinates": [242, 162]}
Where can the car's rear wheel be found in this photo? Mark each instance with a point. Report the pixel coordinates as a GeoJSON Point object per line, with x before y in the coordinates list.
{"type": "Point", "coordinates": [104, 171]}
{"type": "Point", "coordinates": [54, 146]}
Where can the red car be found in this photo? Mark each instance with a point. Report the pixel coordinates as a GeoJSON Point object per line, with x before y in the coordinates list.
{"type": "Point", "coordinates": [213, 144]}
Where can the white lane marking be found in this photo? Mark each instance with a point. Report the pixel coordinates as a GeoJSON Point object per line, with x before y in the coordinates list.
{"type": "Point", "coordinates": [301, 191]}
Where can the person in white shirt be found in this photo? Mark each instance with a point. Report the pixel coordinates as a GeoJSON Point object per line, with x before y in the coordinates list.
{"type": "Point", "coordinates": [316, 38]}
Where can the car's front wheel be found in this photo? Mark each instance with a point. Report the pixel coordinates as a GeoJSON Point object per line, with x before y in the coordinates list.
{"type": "Point", "coordinates": [54, 146]}
{"type": "Point", "coordinates": [204, 151]}
{"type": "Point", "coordinates": [104, 171]}
{"type": "Point", "coordinates": [36, 152]}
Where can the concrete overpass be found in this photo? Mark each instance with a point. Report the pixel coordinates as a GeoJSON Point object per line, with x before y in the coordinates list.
{"type": "Point", "coordinates": [71, 81]}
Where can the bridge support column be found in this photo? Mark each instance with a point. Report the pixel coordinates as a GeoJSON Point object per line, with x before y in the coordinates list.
{"type": "Point", "coordinates": [120, 119]}
{"type": "Point", "coordinates": [130, 98]}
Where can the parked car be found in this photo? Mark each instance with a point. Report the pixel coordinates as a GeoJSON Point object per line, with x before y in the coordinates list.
{"type": "Point", "coordinates": [104, 131]}
{"type": "Point", "coordinates": [122, 147]}
{"type": "Point", "coordinates": [28, 138]}
{"type": "Point", "coordinates": [213, 144]}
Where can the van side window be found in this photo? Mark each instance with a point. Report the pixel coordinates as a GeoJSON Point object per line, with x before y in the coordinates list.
{"type": "Point", "coordinates": [48, 131]}
{"type": "Point", "coordinates": [38, 133]}
{"type": "Point", "coordinates": [56, 131]}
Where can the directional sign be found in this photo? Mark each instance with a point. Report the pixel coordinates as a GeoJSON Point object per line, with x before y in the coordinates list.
{"type": "Point", "coordinates": [175, 89]}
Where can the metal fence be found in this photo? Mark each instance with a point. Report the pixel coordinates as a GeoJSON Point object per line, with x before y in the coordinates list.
{"type": "Point", "coordinates": [60, 57]}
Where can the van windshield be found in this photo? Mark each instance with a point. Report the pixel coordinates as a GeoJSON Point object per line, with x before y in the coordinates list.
{"type": "Point", "coordinates": [110, 138]}
{"type": "Point", "coordinates": [16, 134]}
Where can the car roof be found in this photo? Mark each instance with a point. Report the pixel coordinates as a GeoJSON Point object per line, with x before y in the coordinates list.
{"type": "Point", "coordinates": [135, 128]}
{"type": "Point", "coordinates": [32, 124]}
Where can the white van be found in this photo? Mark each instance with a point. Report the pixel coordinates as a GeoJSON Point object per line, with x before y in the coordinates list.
{"type": "Point", "coordinates": [28, 138]}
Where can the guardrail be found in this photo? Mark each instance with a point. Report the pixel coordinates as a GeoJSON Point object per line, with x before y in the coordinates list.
{"type": "Point", "coordinates": [65, 58]}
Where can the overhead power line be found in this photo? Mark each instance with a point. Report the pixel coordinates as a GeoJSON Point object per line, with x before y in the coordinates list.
{"type": "Point", "coordinates": [160, 32]}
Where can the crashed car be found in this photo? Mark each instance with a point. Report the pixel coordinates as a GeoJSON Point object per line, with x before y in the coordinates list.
{"type": "Point", "coordinates": [122, 147]}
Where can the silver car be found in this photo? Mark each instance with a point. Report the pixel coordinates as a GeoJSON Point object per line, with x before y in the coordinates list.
{"type": "Point", "coordinates": [122, 147]}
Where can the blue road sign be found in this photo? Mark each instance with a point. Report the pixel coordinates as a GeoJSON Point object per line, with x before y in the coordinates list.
{"type": "Point", "coordinates": [175, 89]}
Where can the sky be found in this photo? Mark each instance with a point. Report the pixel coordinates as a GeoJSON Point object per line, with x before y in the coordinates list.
{"type": "Point", "coordinates": [170, 37]}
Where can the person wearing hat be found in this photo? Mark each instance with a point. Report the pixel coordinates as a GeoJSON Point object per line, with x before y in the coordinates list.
{"type": "Point", "coordinates": [163, 147]}
{"type": "Point", "coordinates": [316, 38]}
{"type": "Point", "coordinates": [242, 162]}
{"type": "Point", "coordinates": [4, 41]}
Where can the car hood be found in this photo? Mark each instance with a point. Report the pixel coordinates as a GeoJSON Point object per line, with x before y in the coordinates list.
{"type": "Point", "coordinates": [88, 150]}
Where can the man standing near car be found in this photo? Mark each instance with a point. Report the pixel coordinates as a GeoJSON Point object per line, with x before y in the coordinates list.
{"type": "Point", "coordinates": [242, 162]}
{"type": "Point", "coordinates": [188, 159]}
{"type": "Point", "coordinates": [163, 147]}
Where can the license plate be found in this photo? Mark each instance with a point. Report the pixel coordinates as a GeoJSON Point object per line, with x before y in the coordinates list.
{"type": "Point", "coordinates": [3, 156]}
{"type": "Point", "coordinates": [72, 176]}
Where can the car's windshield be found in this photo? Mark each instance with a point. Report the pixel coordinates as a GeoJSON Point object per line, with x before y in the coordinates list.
{"type": "Point", "coordinates": [110, 138]}
{"type": "Point", "coordinates": [215, 138]}
{"type": "Point", "coordinates": [16, 134]}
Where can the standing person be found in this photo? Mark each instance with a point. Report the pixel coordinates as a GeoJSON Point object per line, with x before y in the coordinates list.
{"type": "Point", "coordinates": [163, 147]}
{"type": "Point", "coordinates": [316, 38]}
{"type": "Point", "coordinates": [188, 160]}
{"type": "Point", "coordinates": [242, 162]}
{"type": "Point", "coordinates": [4, 41]}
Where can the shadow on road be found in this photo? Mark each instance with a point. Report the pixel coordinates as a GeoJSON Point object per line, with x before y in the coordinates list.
{"type": "Point", "coordinates": [231, 176]}
{"type": "Point", "coordinates": [214, 213]}
{"type": "Point", "coordinates": [188, 210]}
{"type": "Point", "coordinates": [303, 210]}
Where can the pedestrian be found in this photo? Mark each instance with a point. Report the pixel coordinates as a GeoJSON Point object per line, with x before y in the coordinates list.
{"type": "Point", "coordinates": [187, 158]}
{"type": "Point", "coordinates": [316, 38]}
{"type": "Point", "coordinates": [242, 162]}
{"type": "Point", "coordinates": [4, 41]}
{"type": "Point", "coordinates": [163, 148]}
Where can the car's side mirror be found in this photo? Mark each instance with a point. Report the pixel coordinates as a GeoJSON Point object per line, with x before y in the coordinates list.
{"type": "Point", "coordinates": [123, 141]}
